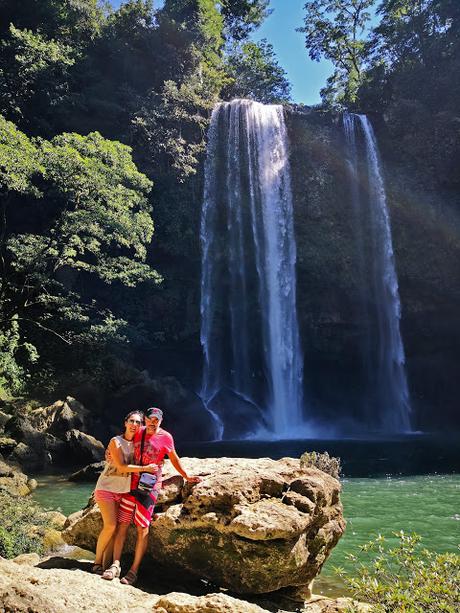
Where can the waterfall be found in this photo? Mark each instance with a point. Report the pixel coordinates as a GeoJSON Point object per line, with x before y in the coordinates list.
{"type": "Point", "coordinates": [388, 401]}
{"type": "Point", "coordinates": [249, 329]}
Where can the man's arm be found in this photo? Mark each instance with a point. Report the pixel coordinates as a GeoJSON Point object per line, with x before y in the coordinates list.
{"type": "Point", "coordinates": [175, 461]}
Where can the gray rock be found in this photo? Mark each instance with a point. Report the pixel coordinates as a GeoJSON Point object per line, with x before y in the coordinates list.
{"type": "Point", "coordinates": [177, 602]}
{"type": "Point", "coordinates": [13, 480]}
{"type": "Point", "coordinates": [27, 559]}
{"type": "Point", "coordinates": [60, 417]}
{"type": "Point", "coordinates": [4, 417]}
{"type": "Point", "coordinates": [35, 450]}
{"type": "Point", "coordinates": [89, 473]}
{"type": "Point", "coordinates": [56, 519]}
{"type": "Point", "coordinates": [239, 416]}
{"type": "Point", "coordinates": [27, 457]}
{"type": "Point", "coordinates": [47, 436]}
{"type": "Point", "coordinates": [7, 444]}
{"type": "Point", "coordinates": [20, 428]}
{"type": "Point", "coordinates": [84, 448]}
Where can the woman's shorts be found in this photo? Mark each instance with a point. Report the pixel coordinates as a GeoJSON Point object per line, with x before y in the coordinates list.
{"type": "Point", "coordinates": [106, 496]}
{"type": "Point", "coordinates": [131, 510]}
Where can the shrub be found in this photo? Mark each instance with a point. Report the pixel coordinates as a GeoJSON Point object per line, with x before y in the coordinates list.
{"type": "Point", "coordinates": [405, 578]}
{"type": "Point", "coordinates": [22, 526]}
{"type": "Point", "coordinates": [322, 461]}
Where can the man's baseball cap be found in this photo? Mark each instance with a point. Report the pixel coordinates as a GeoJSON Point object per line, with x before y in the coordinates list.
{"type": "Point", "coordinates": [154, 412]}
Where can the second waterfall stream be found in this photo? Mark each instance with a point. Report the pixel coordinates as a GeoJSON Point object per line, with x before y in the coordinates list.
{"type": "Point", "coordinates": [386, 397]}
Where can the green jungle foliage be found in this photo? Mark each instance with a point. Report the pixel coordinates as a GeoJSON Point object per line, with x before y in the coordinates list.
{"type": "Point", "coordinates": [103, 117]}
{"type": "Point", "coordinates": [405, 578]}
{"type": "Point", "coordinates": [79, 208]}
{"type": "Point", "coordinates": [335, 30]}
{"type": "Point", "coordinates": [22, 526]}
{"type": "Point", "coordinates": [406, 67]}
{"type": "Point", "coordinates": [255, 73]}
{"type": "Point", "coordinates": [103, 123]}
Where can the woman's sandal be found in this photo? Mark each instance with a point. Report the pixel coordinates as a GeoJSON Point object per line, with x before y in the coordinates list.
{"type": "Point", "coordinates": [97, 569]}
{"type": "Point", "coordinates": [112, 572]}
{"type": "Point", "coordinates": [130, 578]}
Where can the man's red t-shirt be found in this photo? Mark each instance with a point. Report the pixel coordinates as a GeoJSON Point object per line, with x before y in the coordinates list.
{"type": "Point", "coordinates": [156, 446]}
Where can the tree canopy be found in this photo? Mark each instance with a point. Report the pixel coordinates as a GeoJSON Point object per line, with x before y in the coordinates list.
{"type": "Point", "coordinates": [74, 204]}
{"type": "Point", "coordinates": [255, 73]}
{"type": "Point", "coordinates": [407, 66]}
{"type": "Point", "coordinates": [97, 105]}
{"type": "Point", "coordinates": [335, 30]}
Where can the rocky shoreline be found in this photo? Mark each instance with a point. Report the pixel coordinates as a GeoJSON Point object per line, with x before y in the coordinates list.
{"type": "Point", "coordinates": [41, 438]}
{"type": "Point", "coordinates": [26, 587]}
{"type": "Point", "coordinates": [281, 519]}
{"type": "Point", "coordinates": [260, 529]}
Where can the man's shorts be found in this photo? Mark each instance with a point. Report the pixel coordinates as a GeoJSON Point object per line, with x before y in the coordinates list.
{"type": "Point", "coordinates": [131, 510]}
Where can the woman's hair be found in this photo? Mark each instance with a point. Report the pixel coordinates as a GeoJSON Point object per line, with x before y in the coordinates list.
{"type": "Point", "coordinates": [131, 413]}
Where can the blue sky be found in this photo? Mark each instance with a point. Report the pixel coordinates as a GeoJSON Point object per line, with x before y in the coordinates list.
{"type": "Point", "coordinates": [306, 77]}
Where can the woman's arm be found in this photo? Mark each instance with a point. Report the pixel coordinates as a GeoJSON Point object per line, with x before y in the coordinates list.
{"type": "Point", "coordinates": [116, 458]}
{"type": "Point", "coordinates": [175, 461]}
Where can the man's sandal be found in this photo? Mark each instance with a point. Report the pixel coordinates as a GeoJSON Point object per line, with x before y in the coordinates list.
{"type": "Point", "coordinates": [130, 578]}
{"type": "Point", "coordinates": [112, 572]}
{"type": "Point", "coordinates": [97, 569]}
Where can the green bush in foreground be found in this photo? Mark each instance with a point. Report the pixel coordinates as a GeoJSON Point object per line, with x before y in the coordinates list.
{"type": "Point", "coordinates": [22, 526]}
{"type": "Point", "coordinates": [405, 578]}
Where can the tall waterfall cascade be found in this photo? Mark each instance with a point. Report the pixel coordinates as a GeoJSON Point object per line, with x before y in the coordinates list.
{"type": "Point", "coordinates": [387, 397]}
{"type": "Point", "coordinates": [249, 328]}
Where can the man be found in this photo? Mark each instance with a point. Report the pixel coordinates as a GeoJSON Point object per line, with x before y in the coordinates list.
{"type": "Point", "coordinates": [138, 506]}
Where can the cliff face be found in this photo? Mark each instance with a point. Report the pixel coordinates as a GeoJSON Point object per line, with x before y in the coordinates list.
{"type": "Point", "coordinates": [425, 225]}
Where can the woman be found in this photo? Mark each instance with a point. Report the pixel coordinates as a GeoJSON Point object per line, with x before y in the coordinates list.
{"type": "Point", "coordinates": [115, 480]}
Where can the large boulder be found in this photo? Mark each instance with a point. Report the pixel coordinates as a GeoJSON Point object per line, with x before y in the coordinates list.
{"type": "Point", "coordinates": [21, 429]}
{"type": "Point", "coordinates": [253, 526]}
{"type": "Point", "coordinates": [25, 588]}
{"type": "Point", "coordinates": [7, 444]}
{"type": "Point", "coordinates": [34, 449]}
{"type": "Point", "coordinates": [177, 602]}
{"type": "Point", "coordinates": [29, 458]}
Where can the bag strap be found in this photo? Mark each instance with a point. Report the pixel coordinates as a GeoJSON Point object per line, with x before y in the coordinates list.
{"type": "Point", "coordinates": [142, 445]}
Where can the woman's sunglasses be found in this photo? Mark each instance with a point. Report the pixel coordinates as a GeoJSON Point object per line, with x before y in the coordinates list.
{"type": "Point", "coordinates": [134, 421]}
